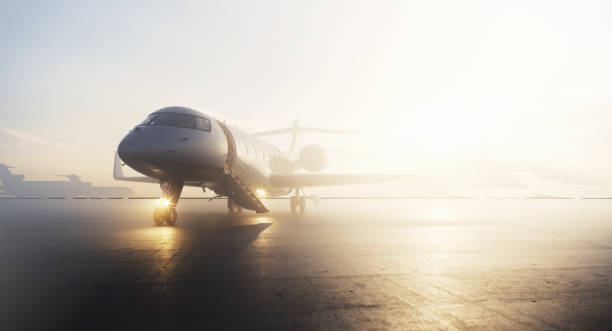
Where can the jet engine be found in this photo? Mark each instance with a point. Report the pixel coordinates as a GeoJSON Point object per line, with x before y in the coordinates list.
{"type": "Point", "coordinates": [313, 158]}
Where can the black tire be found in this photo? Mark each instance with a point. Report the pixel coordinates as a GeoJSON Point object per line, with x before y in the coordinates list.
{"type": "Point", "coordinates": [171, 216]}
{"type": "Point", "coordinates": [158, 218]}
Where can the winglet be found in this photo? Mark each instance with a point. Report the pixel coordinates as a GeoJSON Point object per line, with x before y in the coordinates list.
{"type": "Point", "coordinates": [117, 171]}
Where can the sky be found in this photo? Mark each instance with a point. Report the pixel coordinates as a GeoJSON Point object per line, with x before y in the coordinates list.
{"type": "Point", "coordinates": [430, 85]}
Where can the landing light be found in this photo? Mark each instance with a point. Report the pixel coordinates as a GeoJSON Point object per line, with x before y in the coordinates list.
{"type": "Point", "coordinates": [260, 192]}
{"type": "Point", "coordinates": [163, 202]}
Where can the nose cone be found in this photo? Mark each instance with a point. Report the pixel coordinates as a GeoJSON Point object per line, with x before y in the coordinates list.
{"type": "Point", "coordinates": [129, 149]}
{"type": "Point", "coordinates": [171, 152]}
{"type": "Point", "coordinates": [138, 151]}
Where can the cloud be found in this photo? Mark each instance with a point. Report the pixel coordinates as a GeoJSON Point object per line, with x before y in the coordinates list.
{"type": "Point", "coordinates": [11, 137]}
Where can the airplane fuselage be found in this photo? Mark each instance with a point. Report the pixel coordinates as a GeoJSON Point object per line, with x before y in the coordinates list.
{"type": "Point", "coordinates": [184, 145]}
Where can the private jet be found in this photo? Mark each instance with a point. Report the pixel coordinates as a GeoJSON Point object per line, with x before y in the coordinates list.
{"type": "Point", "coordinates": [178, 146]}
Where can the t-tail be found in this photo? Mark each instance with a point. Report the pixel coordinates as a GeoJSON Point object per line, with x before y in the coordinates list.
{"type": "Point", "coordinates": [6, 175]}
{"type": "Point", "coordinates": [296, 132]}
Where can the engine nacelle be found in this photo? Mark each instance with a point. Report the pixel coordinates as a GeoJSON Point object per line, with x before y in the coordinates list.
{"type": "Point", "coordinates": [313, 158]}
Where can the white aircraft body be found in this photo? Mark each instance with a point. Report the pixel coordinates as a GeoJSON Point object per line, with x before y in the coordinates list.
{"type": "Point", "coordinates": [178, 146]}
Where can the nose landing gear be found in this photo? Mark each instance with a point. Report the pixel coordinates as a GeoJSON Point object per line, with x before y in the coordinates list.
{"type": "Point", "coordinates": [165, 214]}
{"type": "Point", "coordinates": [171, 192]}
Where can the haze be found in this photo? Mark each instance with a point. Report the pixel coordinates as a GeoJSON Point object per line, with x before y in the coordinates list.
{"type": "Point", "coordinates": [438, 86]}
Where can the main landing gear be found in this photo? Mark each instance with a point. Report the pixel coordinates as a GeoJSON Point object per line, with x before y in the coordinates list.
{"type": "Point", "coordinates": [298, 201]}
{"type": "Point", "coordinates": [232, 206]}
{"type": "Point", "coordinates": [166, 212]}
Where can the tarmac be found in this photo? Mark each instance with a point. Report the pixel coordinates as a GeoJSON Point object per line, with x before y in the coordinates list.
{"type": "Point", "coordinates": [345, 264]}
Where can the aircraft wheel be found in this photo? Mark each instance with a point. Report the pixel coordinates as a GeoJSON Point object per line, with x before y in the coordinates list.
{"type": "Point", "coordinates": [171, 216]}
{"type": "Point", "coordinates": [302, 204]}
{"type": "Point", "coordinates": [293, 204]}
{"type": "Point", "coordinates": [158, 216]}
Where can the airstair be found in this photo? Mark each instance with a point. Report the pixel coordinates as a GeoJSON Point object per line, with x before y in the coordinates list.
{"type": "Point", "coordinates": [237, 190]}
{"type": "Point", "coordinates": [243, 196]}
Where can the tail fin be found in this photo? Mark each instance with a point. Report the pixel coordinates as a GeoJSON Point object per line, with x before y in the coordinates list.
{"type": "Point", "coordinates": [297, 130]}
{"type": "Point", "coordinates": [5, 173]}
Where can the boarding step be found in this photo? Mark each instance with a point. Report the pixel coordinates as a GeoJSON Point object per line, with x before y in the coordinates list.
{"type": "Point", "coordinates": [243, 196]}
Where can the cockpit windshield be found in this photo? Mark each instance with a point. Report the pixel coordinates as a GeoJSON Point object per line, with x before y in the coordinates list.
{"type": "Point", "coordinates": [178, 120]}
{"type": "Point", "coordinates": [170, 119]}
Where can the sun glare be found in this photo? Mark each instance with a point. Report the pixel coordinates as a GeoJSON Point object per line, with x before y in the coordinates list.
{"type": "Point", "coordinates": [163, 202]}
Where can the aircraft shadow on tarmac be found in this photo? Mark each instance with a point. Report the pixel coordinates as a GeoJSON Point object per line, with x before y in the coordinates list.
{"type": "Point", "coordinates": [189, 274]}
{"type": "Point", "coordinates": [134, 274]}
{"type": "Point", "coordinates": [232, 231]}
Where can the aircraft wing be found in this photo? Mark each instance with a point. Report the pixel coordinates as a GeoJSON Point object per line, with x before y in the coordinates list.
{"type": "Point", "coordinates": [310, 180]}
{"type": "Point", "coordinates": [118, 173]}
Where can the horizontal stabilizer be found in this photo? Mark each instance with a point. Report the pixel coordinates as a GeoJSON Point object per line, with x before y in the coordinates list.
{"type": "Point", "coordinates": [297, 130]}
{"type": "Point", "coordinates": [301, 129]}
{"type": "Point", "coordinates": [310, 180]}
{"type": "Point", "coordinates": [118, 173]}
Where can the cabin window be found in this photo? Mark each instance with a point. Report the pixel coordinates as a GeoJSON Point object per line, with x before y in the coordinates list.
{"type": "Point", "coordinates": [246, 147]}
{"type": "Point", "coordinates": [255, 151]}
{"type": "Point", "coordinates": [251, 149]}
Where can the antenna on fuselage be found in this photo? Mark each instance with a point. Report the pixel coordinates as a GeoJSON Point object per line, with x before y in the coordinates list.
{"type": "Point", "coordinates": [296, 132]}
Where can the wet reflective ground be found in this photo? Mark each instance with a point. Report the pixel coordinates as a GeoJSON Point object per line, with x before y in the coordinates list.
{"type": "Point", "coordinates": [346, 264]}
